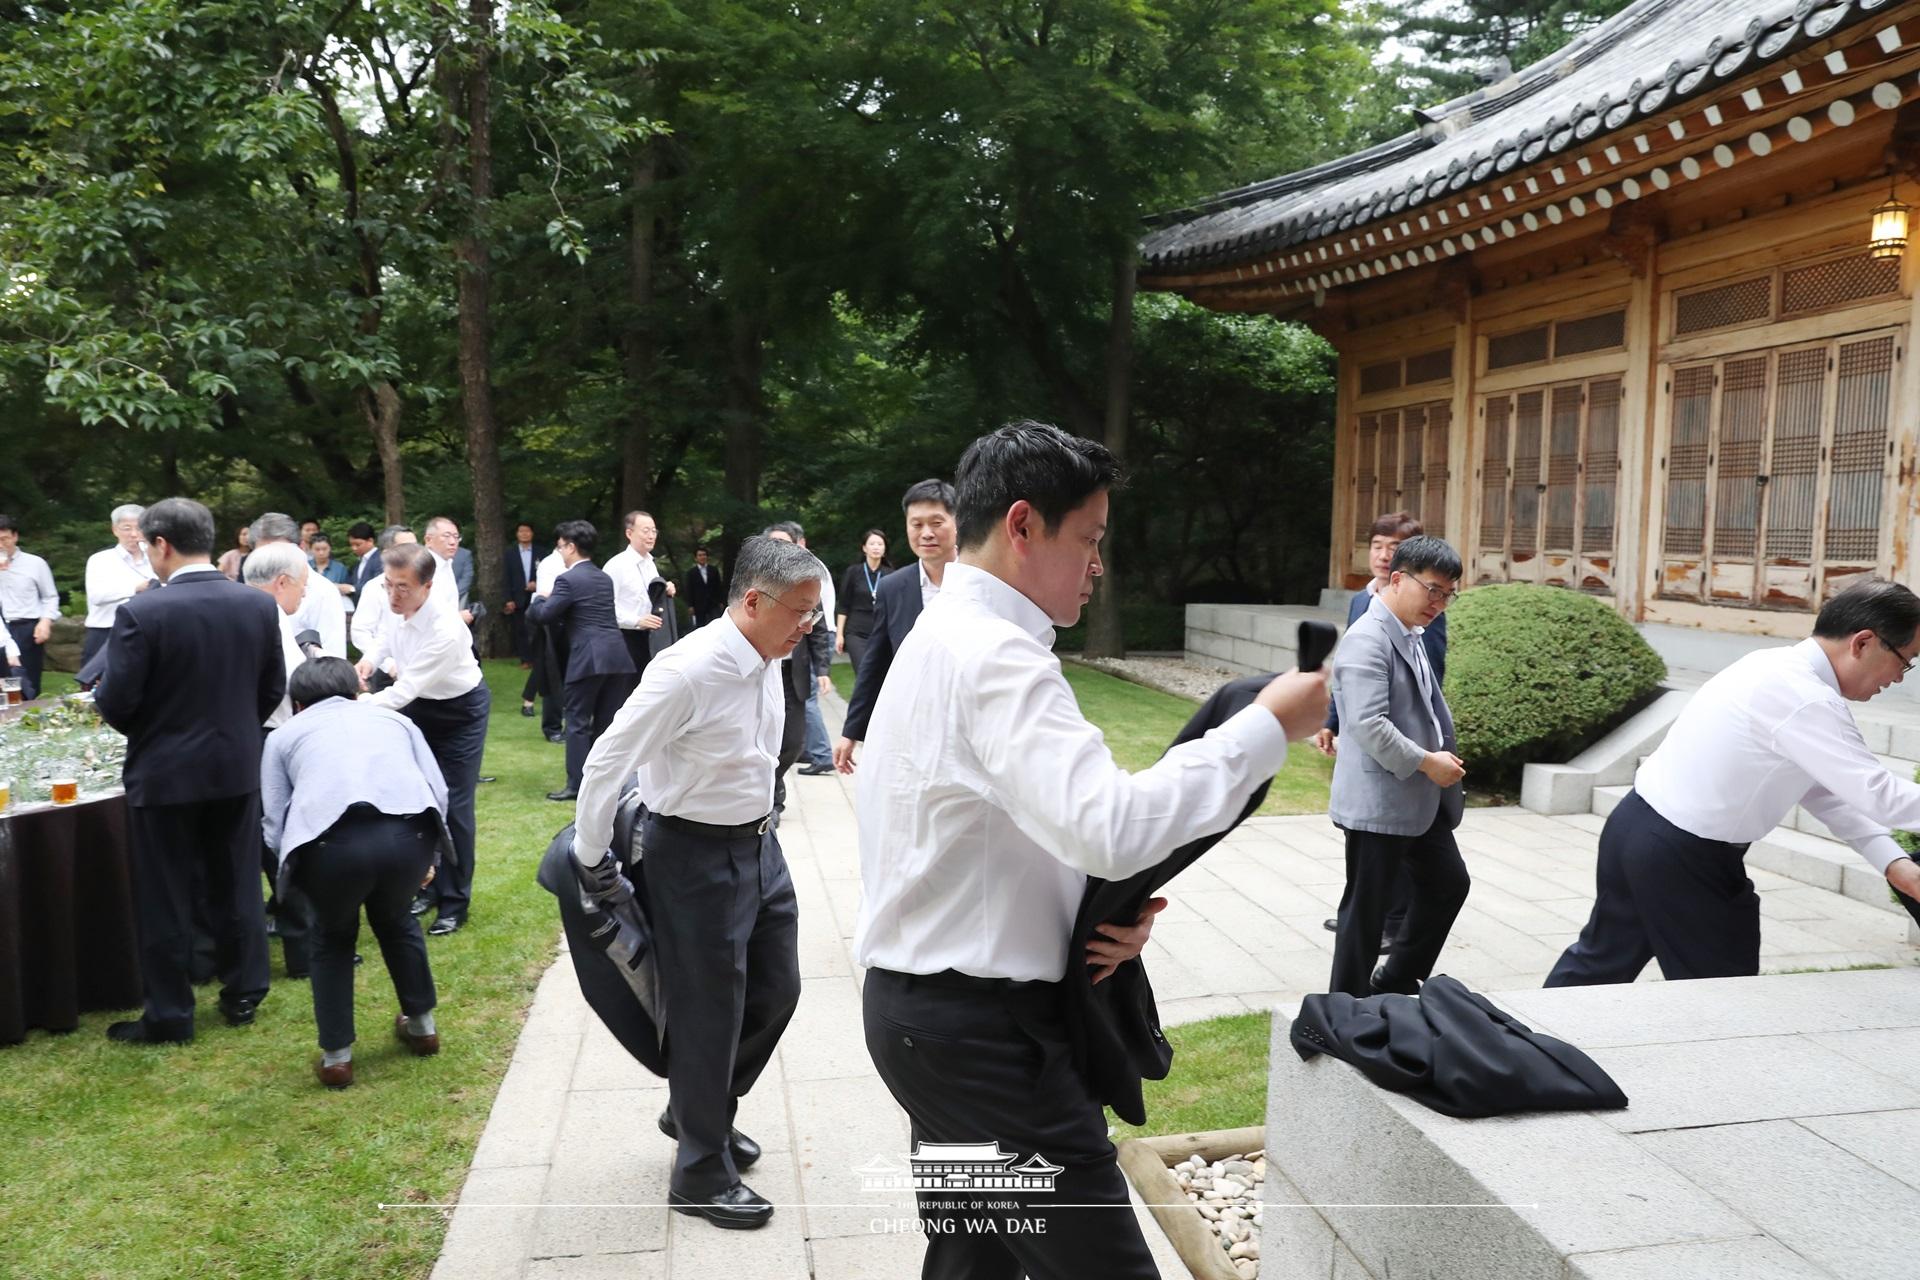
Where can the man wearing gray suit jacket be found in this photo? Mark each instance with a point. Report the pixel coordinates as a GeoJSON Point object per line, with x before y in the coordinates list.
{"type": "Point", "coordinates": [1396, 784]}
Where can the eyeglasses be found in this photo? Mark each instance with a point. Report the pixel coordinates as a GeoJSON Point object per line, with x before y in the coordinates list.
{"type": "Point", "coordinates": [1906, 664]}
{"type": "Point", "coordinates": [808, 617]}
{"type": "Point", "coordinates": [1436, 593]}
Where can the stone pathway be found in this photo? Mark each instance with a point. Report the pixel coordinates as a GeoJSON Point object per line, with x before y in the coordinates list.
{"type": "Point", "coordinates": [570, 1177]}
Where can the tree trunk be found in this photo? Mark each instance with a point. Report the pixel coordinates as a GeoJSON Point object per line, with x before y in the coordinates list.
{"type": "Point", "coordinates": [476, 370]}
{"type": "Point", "coordinates": [1106, 638]}
{"type": "Point", "coordinates": [636, 453]}
{"type": "Point", "coordinates": [743, 414]}
{"type": "Point", "coordinates": [380, 406]}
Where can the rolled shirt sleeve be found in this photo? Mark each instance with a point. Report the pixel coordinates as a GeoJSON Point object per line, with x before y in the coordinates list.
{"type": "Point", "coordinates": [1858, 799]}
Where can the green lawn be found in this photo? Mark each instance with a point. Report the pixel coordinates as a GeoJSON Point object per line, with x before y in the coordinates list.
{"type": "Point", "coordinates": [224, 1157]}
{"type": "Point", "coordinates": [1139, 723]}
{"type": "Point", "coordinates": [1218, 1081]}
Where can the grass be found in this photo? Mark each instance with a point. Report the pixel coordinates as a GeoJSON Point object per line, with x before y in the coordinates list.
{"type": "Point", "coordinates": [1219, 1079]}
{"type": "Point", "coordinates": [1139, 723]}
{"type": "Point", "coordinates": [224, 1157]}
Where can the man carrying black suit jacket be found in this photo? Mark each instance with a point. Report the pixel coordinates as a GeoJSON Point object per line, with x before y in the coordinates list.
{"type": "Point", "coordinates": [599, 668]}
{"type": "Point", "coordinates": [931, 532]}
{"type": "Point", "coordinates": [705, 588]}
{"type": "Point", "coordinates": [192, 672]}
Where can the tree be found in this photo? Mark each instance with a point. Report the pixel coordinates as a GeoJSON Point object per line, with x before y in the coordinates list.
{"type": "Point", "coordinates": [1465, 44]}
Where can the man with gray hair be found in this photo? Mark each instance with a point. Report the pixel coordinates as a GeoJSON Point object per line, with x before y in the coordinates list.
{"type": "Point", "coordinates": [280, 569]}
{"type": "Point", "coordinates": [115, 576]}
{"type": "Point", "coordinates": [322, 610]}
{"type": "Point", "coordinates": [703, 730]}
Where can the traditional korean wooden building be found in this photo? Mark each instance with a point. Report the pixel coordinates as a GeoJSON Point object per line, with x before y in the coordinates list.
{"type": "Point", "coordinates": [1615, 323]}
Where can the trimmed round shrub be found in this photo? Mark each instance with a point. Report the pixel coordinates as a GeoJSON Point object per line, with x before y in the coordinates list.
{"type": "Point", "coordinates": [1535, 674]}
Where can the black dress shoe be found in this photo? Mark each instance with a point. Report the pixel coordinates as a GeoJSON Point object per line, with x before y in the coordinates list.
{"type": "Point", "coordinates": [420, 905]}
{"type": "Point", "coordinates": [445, 925]}
{"type": "Point", "coordinates": [815, 770]}
{"type": "Point", "coordinates": [238, 1013]}
{"type": "Point", "coordinates": [745, 1150]}
{"type": "Point", "coordinates": [526, 709]}
{"type": "Point", "coordinates": [140, 1031]}
{"type": "Point", "coordinates": [556, 737]}
{"type": "Point", "coordinates": [1331, 924]}
{"type": "Point", "coordinates": [564, 793]}
{"type": "Point", "coordinates": [486, 777]}
{"type": "Point", "coordinates": [1383, 985]}
{"type": "Point", "coordinates": [737, 1208]}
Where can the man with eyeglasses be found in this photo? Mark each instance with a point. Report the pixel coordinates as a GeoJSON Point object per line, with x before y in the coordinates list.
{"type": "Point", "coordinates": [703, 730]}
{"type": "Point", "coordinates": [1770, 732]}
{"type": "Point", "coordinates": [1396, 780]}
{"type": "Point", "coordinates": [799, 674]}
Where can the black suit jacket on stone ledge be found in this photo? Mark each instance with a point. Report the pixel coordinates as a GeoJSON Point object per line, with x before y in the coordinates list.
{"type": "Point", "coordinates": [1115, 1027]}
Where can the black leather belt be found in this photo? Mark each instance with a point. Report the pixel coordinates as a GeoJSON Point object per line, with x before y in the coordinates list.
{"type": "Point", "coordinates": [954, 980]}
{"type": "Point", "coordinates": [714, 831]}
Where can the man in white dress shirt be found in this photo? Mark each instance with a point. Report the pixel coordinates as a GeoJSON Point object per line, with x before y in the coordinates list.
{"type": "Point", "coordinates": [437, 685]}
{"type": "Point", "coordinates": [703, 729]}
{"type": "Point", "coordinates": [633, 571]}
{"type": "Point", "coordinates": [115, 576]}
{"type": "Point", "coordinates": [1770, 732]}
{"type": "Point", "coordinates": [28, 605]}
{"type": "Point", "coordinates": [985, 801]}
{"type": "Point", "coordinates": [323, 610]}
{"type": "Point", "coordinates": [280, 569]}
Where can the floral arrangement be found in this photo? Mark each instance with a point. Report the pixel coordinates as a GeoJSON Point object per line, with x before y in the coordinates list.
{"type": "Point", "coordinates": [63, 739]}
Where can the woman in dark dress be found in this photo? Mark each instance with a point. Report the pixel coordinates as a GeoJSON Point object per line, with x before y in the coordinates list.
{"type": "Point", "coordinates": [857, 586]}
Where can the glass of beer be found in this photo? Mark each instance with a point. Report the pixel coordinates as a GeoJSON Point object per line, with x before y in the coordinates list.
{"type": "Point", "coordinates": [11, 686]}
{"type": "Point", "coordinates": [6, 794]}
{"type": "Point", "coordinates": [64, 790]}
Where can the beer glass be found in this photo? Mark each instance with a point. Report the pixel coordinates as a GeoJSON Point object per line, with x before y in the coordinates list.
{"type": "Point", "coordinates": [6, 794]}
{"type": "Point", "coordinates": [65, 790]}
{"type": "Point", "coordinates": [11, 686]}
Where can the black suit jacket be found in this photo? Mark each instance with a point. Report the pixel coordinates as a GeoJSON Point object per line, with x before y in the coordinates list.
{"type": "Point", "coordinates": [513, 582]}
{"type": "Point", "coordinates": [365, 571]}
{"type": "Point", "coordinates": [583, 599]}
{"type": "Point", "coordinates": [1114, 1028]}
{"type": "Point", "coordinates": [896, 607]}
{"type": "Point", "coordinates": [811, 657]}
{"type": "Point", "coordinates": [192, 670]}
{"type": "Point", "coordinates": [705, 599]}
{"type": "Point", "coordinates": [463, 575]}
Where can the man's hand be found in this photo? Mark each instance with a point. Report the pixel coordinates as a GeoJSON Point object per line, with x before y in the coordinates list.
{"type": "Point", "coordinates": [466, 616]}
{"type": "Point", "coordinates": [826, 685]}
{"type": "Point", "coordinates": [1112, 945]}
{"type": "Point", "coordinates": [651, 622]}
{"type": "Point", "coordinates": [1904, 875]}
{"type": "Point", "coordinates": [604, 881]}
{"type": "Point", "coordinates": [1325, 743]}
{"type": "Point", "coordinates": [1444, 767]}
{"type": "Point", "coordinates": [533, 584]}
{"type": "Point", "coordinates": [672, 590]}
{"type": "Point", "coordinates": [429, 879]}
{"type": "Point", "coordinates": [1298, 700]}
{"type": "Point", "coordinates": [364, 669]}
{"type": "Point", "coordinates": [42, 630]}
{"type": "Point", "coordinates": [346, 588]}
{"type": "Point", "coordinates": [839, 642]}
{"type": "Point", "coordinates": [843, 755]}
{"type": "Point", "coordinates": [508, 607]}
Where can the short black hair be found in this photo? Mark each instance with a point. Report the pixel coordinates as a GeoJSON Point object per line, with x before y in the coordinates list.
{"type": "Point", "coordinates": [580, 533]}
{"type": "Point", "coordinates": [185, 524]}
{"type": "Point", "coordinates": [1036, 462]}
{"type": "Point", "coordinates": [934, 490]}
{"type": "Point", "coordinates": [524, 524]}
{"type": "Point", "coordinates": [1425, 551]}
{"type": "Point", "coordinates": [318, 679]}
{"type": "Point", "coordinates": [320, 535]}
{"type": "Point", "coordinates": [362, 530]}
{"type": "Point", "coordinates": [1887, 609]}
{"type": "Point", "coordinates": [789, 527]}
{"type": "Point", "coordinates": [6, 522]}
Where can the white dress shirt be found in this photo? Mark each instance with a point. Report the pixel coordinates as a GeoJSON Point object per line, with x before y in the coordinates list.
{"type": "Point", "coordinates": [631, 573]}
{"type": "Point", "coordinates": [114, 577]}
{"type": "Point", "coordinates": [443, 588]}
{"type": "Point", "coordinates": [26, 589]}
{"type": "Point", "coordinates": [1770, 732]}
{"type": "Point", "coordinates": [373, 614]}
{"type": "Point", "coordinates": [827, 598]}
{"type": "Point", "coordinates": [432, 654]}
{"type": "Point", "coordinates": [551, 566]}
{"type": "Point", "coordinates": [524, 557]}
{"type": "Point", "coordinates": [322, 610]}
{"type": "Point", "coordinates": [703, 729]}
{"type": "Point", "coordinates": [986, 799]}
{"type": "Point", "coordinates": [291, 655]}
{"type": "Point", "coordinates": [928, 587]}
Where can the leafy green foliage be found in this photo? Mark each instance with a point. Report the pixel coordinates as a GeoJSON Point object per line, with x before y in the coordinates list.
{"type": "Point", "coordinates": [1536, 673]}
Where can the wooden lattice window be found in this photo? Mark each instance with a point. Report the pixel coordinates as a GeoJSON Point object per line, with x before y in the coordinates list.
{"type": "Point", "coordinates": [1686, 522]}
{"type": "Point", "coordinates": [1434, 507]}
{"type": "Point", "coordinates": [1837, 282]}
{"type": "Point", "coordinates": [1793, 460]}
{"type": "Point", "coordinates": [1600, 468]}
{"type": "Point", "coordinates": [1383, 375]}
{"type": "Point", "coordinates": [1742, 432]}
{"type": "Point", "coordinates": [1527, 346]}
{"type": "Point", "coordinates": [1413, 479]}
{"type": "Point", "coordinates": [1430, 366]}
{"type": "Point", "coordinates": [1861, 402]}
{"type": "Point", "coordinates": [1400, 464]}
{"type": "Point", "coordinates": [1723, 305]}
{"type": "Point", "coordinates": [1550, 467]}
{"type": "Point", "coordinates": [1563, 466]}
{"type": "Point", "coordinates": [1603, 332]}
{"type": "Point", "coordinates": [1389, 497]}
{"type": "Point", "coordinates": [1493, 467]}
{"type": "Point", "coordinates": [1366, 442]}
{"type": "Point", "coordinates": [1524, 508]}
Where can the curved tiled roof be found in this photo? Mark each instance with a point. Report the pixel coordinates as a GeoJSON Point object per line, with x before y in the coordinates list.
{"type": "Point", "coordinates": [1618, 73]}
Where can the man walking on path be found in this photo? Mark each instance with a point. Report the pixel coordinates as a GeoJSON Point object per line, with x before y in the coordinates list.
{"type": "Point", "coordinates": [703, 730]}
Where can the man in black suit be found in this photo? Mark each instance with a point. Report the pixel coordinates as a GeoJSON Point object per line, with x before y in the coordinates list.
{"type": "Point", "coordinates": [931, 532]}
{"type": "Point", "coordinates": [599, 669]}
{"type": "Point", "coordinates": [192, 672]}
{"type": "Point", "coordinates": [516, 589]}
{"type": "Point", "coordinates": [705, 589]}
{"type": "Point", "coordinates": [361, 538]}
{"type": "Point", "coordinates": [811, 661]}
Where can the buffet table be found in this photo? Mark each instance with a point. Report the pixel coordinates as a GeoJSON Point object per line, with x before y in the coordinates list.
{"type": "Point", "coordinates": [67, 930]}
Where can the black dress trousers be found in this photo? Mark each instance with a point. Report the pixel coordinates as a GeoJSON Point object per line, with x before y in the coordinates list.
{"type": "Point", "coordinates": [456, 734]}
{"type": "Point", "coordinates": [1664, 893]}
{"type": "Point", "coordinates": [983, 1065]}
{"type": "Point", "coordinates": [726, 936]}
{"type": "Point", "coordinates": [220, 839]}
{"type": "Point", "coordinates": [592, 702]}
{"type": "Point", "coordinates": [32, 657]}
{"type": "Point", "coordinates": [1375, 864]}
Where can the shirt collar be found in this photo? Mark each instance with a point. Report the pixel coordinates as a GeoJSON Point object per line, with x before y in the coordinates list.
{"type": "Point", "coordinates": [1379, 606]}
{"type": "Point", "coordinates": [129, 557]}
{"type": "Point", "coordinates": [734, 641]}
{"type": "Point", "coordinates": [1817, 661]}
{"type": "Point", "coordinates": [925, 580]}
{"type": "Point", "coordinates": [1373, 586]}
{"type": "Point", "coordinates": [197, 568]}
{"type": "Point", "coordinates": [999, 597]}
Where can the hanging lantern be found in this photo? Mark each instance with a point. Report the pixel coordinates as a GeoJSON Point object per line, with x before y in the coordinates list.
{"type": "Point", "coordinates": [1889, 237]}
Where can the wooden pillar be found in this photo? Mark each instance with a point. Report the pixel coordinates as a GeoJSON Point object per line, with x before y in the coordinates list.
{"type": "Point", "coordinates": [1463, 513]}
{"type": "Point", "coordinates": [1903, 489]}
{"type": "Point", "coordinates": [1340, 542]}
{"type": "Point", "coordinates": [1636, 517]}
